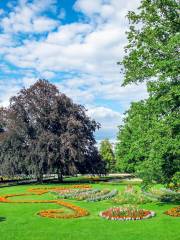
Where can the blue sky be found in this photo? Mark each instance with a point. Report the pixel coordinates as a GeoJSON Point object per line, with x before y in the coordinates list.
{"type": "Point", "coordinates": [75, 44]}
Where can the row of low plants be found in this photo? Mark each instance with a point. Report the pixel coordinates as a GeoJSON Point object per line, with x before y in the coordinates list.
{"type": "Point", "coordinates": [103, 196]}
{"type": "Point", "coordinates": [90, 195]}
{"type": "Point", "coordinates": [74, 193]}
{"type": "Point", "coordinates": [162, 195]}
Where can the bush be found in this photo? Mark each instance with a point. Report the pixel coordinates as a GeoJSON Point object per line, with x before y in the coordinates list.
{"type": "Point", "coordinates": [163, 195]}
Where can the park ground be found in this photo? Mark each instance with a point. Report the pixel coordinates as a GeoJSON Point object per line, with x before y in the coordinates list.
{"type": "Point", "coordinates": [21, 222]}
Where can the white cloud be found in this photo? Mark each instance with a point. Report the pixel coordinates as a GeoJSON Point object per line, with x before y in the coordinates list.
{"type": "Point", "coordinates": [7, 91]}
{"type": "Point", "coordinates": [47, 75]}
{"type": "Point", "coordinates": [26, 17]}
{"type": "Point", "coordinates": [62, 14]}
{"type": "Point", "coordinates": [109, 120]}
{"type": "Point", "coordinates": [88, 7]}
{"type": "Point", "coordinates": [81, 56]}
{"type": "Point", "coordinates": [1, 11]}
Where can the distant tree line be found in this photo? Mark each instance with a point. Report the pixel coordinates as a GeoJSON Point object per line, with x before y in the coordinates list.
{"type": "Point", "coordinates": [43, 131]}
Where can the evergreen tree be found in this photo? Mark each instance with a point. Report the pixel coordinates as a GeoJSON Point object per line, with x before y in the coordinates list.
{"type": "Point", "coordinates": [107, 154]}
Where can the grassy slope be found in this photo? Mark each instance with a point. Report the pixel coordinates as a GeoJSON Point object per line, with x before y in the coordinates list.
{"type": "Point", "coordinates": [22, 223]}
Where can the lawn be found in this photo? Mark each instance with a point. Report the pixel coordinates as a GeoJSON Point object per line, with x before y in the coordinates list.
{"type": "Point", "coordinates": [19, 221]}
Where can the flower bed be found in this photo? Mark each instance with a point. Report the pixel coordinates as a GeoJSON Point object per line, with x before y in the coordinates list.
{"type": "Point", "coordinates": [57, 213]}
{"type": "Point", "coordinates": [174, 212]}
{"type": "Point", "coordinates": [74, 194]}
{"type": "Point", "coordinates": [103, 196]}
{"type": "Point", "coordinates": [90, 195]}
{"type": "Point", "coordinates": [126, 213]}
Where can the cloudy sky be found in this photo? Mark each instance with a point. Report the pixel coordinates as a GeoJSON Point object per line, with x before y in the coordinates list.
{"type": "Point", "coordinates": [73, 43]}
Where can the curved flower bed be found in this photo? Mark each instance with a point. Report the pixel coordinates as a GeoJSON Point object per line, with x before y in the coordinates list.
{"type": "Point", "coordinates": [74, 193]}
{"type": "Point", "coordinates": [104, 196]}
{"type": "Point", "coordinates": [173, 212]}
{"type": "Point", "coordinates": [90, 195]}
{"type": "Point", "coordinates": [40, 191]}
{"type": "Point", "coordinates": [126, 213]}
{"type": "Point", "coordinates": [56, 213]}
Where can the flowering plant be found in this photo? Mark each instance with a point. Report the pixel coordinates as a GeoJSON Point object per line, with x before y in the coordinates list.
{"type": "Point", "coordinates": [174, 212]}
{"type": "Point", "coordinates": [126, 213]}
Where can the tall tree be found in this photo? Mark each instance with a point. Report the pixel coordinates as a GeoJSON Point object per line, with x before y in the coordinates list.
{"type": "Point", "coordinates": [149, 140]}
{"type": "Point", "coordinates": [107, 154]}
{"type": "Point", "coordinates": [53, 133]}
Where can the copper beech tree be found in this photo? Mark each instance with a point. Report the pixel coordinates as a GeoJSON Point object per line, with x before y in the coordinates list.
{"type": "Point", "coordinates": [45, 132]}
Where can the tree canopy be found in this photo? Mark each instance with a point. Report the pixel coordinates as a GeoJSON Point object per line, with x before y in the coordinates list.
{"type": "Point", "coordinates": [47, 132]}
{"type": "Point", "coordinates": [107, 154]}
{"type": "Point", "coordinates": [149, 140]}
{"type": "Point", "coordinates": [153, 42]}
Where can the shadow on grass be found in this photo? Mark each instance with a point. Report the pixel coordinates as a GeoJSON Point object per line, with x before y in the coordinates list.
{"type": "Point", "coordinates": [2, 219]}
{"type": "Point", "coordinates": [168, 203]}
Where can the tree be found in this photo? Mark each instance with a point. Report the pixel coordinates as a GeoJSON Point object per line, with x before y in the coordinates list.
{"type": "Point", "coordinates": [53, 134]}
{"type": "Point", "coordinates": [153, 42]}
{"type": "Point", "coordinates": [106, 152]}
{"type": "Point", "coordinates": [148, 142]}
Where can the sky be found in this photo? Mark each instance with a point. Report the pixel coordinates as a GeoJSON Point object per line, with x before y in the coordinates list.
{"type": "Point", "coordinates": [75, 44]}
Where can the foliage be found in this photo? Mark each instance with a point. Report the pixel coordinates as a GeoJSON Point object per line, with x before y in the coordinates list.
{"type": "Point", "coordinates": [149, 140]}
{"type": "Point", "coordinates": [176, 181]}
{"type": "Point", "coordinates": [107, 154]}
{"type": "Point", "coordinates": [153, 42]}
{"type": "Point", "coordinates": [163, 195]}
{"type": "Point", "coordinates": [47, 132]}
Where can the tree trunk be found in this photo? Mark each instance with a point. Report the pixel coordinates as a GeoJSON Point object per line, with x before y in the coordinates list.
{"type": "Point", "coordinates": [60, 177]}
{"type": "Point", "coordinates": [40, 178]}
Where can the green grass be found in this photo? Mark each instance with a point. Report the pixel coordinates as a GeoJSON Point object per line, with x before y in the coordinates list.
{"type": "Point", "coordinates": [20, 222]}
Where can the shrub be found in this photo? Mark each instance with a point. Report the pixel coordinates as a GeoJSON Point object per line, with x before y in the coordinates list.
{"type": "Point", "coordinates": [163, 195]}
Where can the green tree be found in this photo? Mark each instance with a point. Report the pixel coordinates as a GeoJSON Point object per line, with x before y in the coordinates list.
{"type": "Point", "coordinates": [153, 42]}
{"type": "Point", "coordinates": [107, 154]}
{"type": "Point", "coordinates": [148, 142]}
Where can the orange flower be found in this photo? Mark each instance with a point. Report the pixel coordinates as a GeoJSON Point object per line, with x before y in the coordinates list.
{"type": "Point", "coordinates": [78, 212]}
{"type": "Point", "coordinates": [174, 212]}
